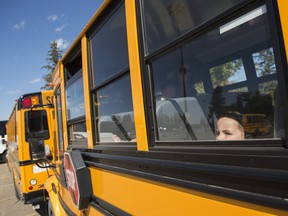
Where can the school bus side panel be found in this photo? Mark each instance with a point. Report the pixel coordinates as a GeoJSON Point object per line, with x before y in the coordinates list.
{"type": "Point", "coordinates": [283, 10]}
{"type": "Point", "coordinates": [166, 199]}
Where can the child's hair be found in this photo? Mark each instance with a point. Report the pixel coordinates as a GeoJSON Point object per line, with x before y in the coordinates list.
{"type": "Point", "coordinates": [235, 116]}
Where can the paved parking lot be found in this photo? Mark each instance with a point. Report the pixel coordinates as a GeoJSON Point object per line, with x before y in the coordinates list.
{"type": "Point", "coordinates": [9, 205]}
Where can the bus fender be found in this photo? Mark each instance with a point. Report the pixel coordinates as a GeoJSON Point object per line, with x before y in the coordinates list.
{"type": "Point", "coordinates": [51, 187]}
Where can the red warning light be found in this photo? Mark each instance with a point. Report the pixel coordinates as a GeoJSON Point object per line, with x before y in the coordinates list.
{"type": "Point", "coordinates": [26, 102]}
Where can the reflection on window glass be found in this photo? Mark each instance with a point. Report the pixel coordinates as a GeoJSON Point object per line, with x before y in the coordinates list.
{"type": "Point", "coordinates": [36, 124]}
{"type": "Point", "coordinates": [219, 67]}
{"type": "Point", "coordinates": [115, 109]}
{"type": "Point", "coordinates": [109, 48]}
{"type": "Point", "coordinates": [264, 62]}
{"type": "Point", "coordinates": [78, 132]}
{"type": "Point", "coordinates": [268, 88]}
{"type": "Point", "coordinates": [242, 89]}
{"type": "Point", "coordinates": [256, 125]}
{"type": "Point", "coordinates": [165, 20]}
{"type": "Point", "coordinates": [59, 122]}
{"type": "Point", "coordinates": [228, 73]}
{"type": "Point", "coordinates": [75, 99]}
{"type": "Point", "coordinates": [199, 87]}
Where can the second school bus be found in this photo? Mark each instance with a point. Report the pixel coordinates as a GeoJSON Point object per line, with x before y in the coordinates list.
{"type": "Point", "coordinates": [32, 118]}
{"type": "Point", "coordinates": [126, 148]}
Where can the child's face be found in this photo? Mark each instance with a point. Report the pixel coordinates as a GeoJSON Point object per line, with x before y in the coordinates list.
{"type": "Point", "coordinates": [229, 129]}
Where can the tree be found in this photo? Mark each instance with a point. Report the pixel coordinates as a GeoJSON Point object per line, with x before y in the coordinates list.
{"type": "Point", "coordinates": [264, 62]}
{"type": "Point", "coordinates": [218, 101]}
{"type": "Point", "coordinates": [54, 55]}
{"type": "Point", "coordinates": [221, 74]}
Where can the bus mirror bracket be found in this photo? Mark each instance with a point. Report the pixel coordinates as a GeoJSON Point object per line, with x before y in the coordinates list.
{"type": "Point", "coordinates": [50, 105]}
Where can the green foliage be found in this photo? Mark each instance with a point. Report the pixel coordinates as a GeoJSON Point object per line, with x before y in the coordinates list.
{"type": "Point", "coordinates": [217, 103]}
{"type": "Point", "coordinates": [54, 54]}
{"type": "Point", "coordinates": [220, 74]}
{"type": "Point", "coordinates": [264, 62]}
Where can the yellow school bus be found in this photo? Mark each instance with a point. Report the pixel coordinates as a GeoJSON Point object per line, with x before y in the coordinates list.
{"type": "Point", "coordinates": [125, 147]}
{"type": "Point", "coordinates": [256, 124]}
{"type": "Point", "coordinates": [32, 118]}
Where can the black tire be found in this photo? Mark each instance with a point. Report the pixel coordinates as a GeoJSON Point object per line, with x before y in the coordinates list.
{"type": "Point", "coordinates": [50, 209]}
{"type": "Point", "coordinates": [17, 194]}
{"type": "Point", "coordinates": [4, 160]}
{"type": "Point", "coordinates": [43, 210]}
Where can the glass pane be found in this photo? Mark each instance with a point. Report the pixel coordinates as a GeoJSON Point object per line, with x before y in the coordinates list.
{"type": "Point", "coordinates": [75, 99]}
{"type": "Point", "coordinates": [242, 89]}
{"type": "Point", "coordinates": [36, 124]}
{"type": "Point", "coordinates": [78, 132]}
{"type": "Point", "coordinates": [228, 73]}
{"type": "Point", "coordinates": [115, 109]}
{"type": "Point", "coordinates": [165, 20]}
{"type": "Point", "coordinates": [59, 122]}
{"type": "Point", "coordinates": [217, 74]}
{"type": "Point", "coordinates": [109, 48]}
{"type": "Point", "coordinates": [264, 62]}
{"type": "Point", "coordinates": [268, 88]}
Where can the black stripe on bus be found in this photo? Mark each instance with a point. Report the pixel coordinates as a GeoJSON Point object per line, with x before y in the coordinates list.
{"type": "Point", "coordinates": [29, 162]}
{"type": "Point", "coordinates": [258, 185]}
{"type": "Point", "coordinates": [105, 207]}
{"type": "Point", "coordinates": [65, 207]}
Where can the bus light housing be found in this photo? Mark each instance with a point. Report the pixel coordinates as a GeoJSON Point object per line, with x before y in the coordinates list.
{"type": "Point", "coordinates": [28, 102]}
{"type": "Point", "coordinates": [34, 100]}
{"type": "Point", "coordinates": [33, 182]}
{"type": "Point", "coordinates": [78, 179]}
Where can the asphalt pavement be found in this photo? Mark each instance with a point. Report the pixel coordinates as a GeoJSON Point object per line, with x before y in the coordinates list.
{"type": "Point", "coordinates": [9, 205]}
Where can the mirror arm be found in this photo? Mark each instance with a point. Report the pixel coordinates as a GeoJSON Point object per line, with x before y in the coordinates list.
{"type": "Point", "coordinates": [43, 105]}
{"type": "Point", "coordinates": [44, 167]}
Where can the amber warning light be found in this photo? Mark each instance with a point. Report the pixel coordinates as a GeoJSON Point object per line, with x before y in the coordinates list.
{"type": "Point", "coordinates": [78, 179]}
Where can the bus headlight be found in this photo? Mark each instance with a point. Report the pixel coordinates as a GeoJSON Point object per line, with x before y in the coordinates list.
{"type": "Point", "coordinates": [33, 182]}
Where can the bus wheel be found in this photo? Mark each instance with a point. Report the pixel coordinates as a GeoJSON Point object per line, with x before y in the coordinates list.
{"type": "Point", "coordinates": [50, 209]}
{"type": "Point", "coordinates": [17, 194]}
{"type": "Point", "coordinates": [4, 160]}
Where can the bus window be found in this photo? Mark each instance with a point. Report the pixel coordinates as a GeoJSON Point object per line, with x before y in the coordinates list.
{"type": "Point", "coordinates": [167, 20]}
{"type": "Point", "coordinates": [116, 118]}
{"type": "Point", "coordinates": [109, 47]}
{"type": "Point", "coordinates": [75, 101]}
{"type": "Point", "coordinates": [59, 122]}
{"type": "Point", "coordinates": [79, 131]}
{"type": "Point", "coordinates": [111, 83]}
{"type": "Point", "coordinates": [38, 125]}
{"type": "Point", "coordinates": [237, 73]}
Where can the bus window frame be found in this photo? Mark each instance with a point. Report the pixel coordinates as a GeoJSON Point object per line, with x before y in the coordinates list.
{"type": "Point", "coordinates": [69, 81]}
{"type": "Point", "coordinates": [279, 55]}
{"type": "Point", "coordinates": [59, 121]}
{"type": "Point", "coordinates": [116, 76]}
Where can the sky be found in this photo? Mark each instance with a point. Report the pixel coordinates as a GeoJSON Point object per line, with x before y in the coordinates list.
{"type": "Point", "coordinates": [27, 27]}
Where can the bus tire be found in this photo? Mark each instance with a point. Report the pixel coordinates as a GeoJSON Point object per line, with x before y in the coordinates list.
{"type": "Point", "coordinates": [4, 157]}
{"type": "Point", "coordinates": [16, 190]}
{"type": "Point", "coordinates": [4, 160]}
{"type": "Point", "coordinates": [50, 209]}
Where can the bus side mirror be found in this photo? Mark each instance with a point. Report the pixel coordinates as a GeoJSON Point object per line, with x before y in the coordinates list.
{"type": "Point", "coordinates": [37, 148]}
